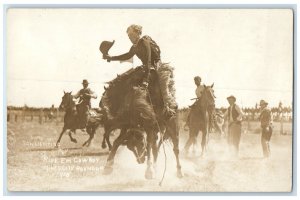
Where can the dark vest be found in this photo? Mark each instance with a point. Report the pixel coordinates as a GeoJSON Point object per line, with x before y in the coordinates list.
{"type": "Point", "coordinates": [86, 100]}
{"type": "Point", "coordinates": [235, 113]}
{"type": "Point", "coordinates": [142, 54]}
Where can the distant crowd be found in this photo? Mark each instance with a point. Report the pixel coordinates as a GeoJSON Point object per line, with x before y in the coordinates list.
{"type": "Point", "coordinates": [279, 113]}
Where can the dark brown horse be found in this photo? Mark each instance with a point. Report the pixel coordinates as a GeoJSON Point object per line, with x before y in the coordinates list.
{"type": "Point", "coordinates": [71, 120]}
{"type": "Point", "coordinates": [199, 118]}
{"type": "Point", "coordinates": [132, 106]}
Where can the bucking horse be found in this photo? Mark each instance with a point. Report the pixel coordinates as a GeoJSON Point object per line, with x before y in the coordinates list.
{"type": "Point", "coordinates": [128, 106]}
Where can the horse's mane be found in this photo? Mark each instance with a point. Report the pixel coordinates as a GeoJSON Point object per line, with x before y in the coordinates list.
{"type": "Point", "coordinates": [118, 88]}
{"type": "Point", "coordinates": [124, 90]}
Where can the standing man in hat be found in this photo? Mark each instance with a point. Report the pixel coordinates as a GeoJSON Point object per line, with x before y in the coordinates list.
{"type": "Point", "coordinates": [266, 125]}
{"type": "Point", "coordinates": [234, 117]}
{"type": "Point", "coordinates": [84, 105]}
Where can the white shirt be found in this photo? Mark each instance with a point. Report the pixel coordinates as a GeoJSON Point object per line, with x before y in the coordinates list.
{"type": "Point", "coordinates": [239, 118]}
{"type": "Point", "coordinates": [199, 91]}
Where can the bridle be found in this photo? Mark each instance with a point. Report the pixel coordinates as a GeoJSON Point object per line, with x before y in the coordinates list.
{"type": "Point", "coordinates": [205, 97]}
{"type": "Point", "coordinates": [70, 103]}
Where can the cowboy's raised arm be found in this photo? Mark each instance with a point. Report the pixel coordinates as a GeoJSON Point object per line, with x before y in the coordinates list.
{"type": "Point", "coordinates": [122, 57]}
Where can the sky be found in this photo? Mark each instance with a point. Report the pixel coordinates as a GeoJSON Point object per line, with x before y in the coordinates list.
{"type": "Point", "coordinates": [247, 53]}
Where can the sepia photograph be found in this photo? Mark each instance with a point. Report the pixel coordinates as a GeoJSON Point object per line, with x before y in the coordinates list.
{"type": "Point", "coordinates": [149, 100]}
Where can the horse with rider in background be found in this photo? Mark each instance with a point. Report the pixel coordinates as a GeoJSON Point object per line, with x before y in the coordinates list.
{"type": "Point", "coordinates": [73, 120]}
{"type": "Point", "coordinates": [199, 118]}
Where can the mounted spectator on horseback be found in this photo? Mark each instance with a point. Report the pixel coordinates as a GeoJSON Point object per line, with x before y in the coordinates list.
{"type": "Point", "coordinates": [84, 104]}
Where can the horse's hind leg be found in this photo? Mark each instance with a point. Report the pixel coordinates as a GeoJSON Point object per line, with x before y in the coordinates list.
{"type": "Point", "coordinates": [59, 138]}
{"type": "Point", "coordinates": [191, 140]}
{"type": "Point", "coordinates": [70, 135]}
{"type": "Point", "coordinates": [91, 133]}
{"type": "Point", "coordinates": [159, 144]}
{"type": "Point", "coordinates": [204, 141]}
{"type": "Point", "coordinates": [173, 131]}
{"type": "Point", "coordinates": [195, 145]}
{"type": "Point", "coordinates": [149, 174]}
{"type": "Point", "coordinates": [110, 160]}
{"type": "Point", "coordinates": [106, 140]}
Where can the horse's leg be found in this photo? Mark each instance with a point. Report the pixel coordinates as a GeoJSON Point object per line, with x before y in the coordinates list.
{"type": "Point", "coordinates": [59, 138]}
{"type": "Point", "coordinates": [91, 132]}
{"type": "Point", "coordinates": [107, 131]}
{"type": "Point", "coordinates": [149, 174]}
{"type": "Point", "coordinates": [159, 144]}
{"type": "Point", "coordinates": [218, 129]}
{"type": "Point", "coordinates": [88, 130]}
{"type": "Point", "coordinates": [203, 142]}
{"type": "Point", "coordinates": [154, 150]}
{"type": "Point", "coordinates": [205, 134]}
{"type": "Point", "coordinates": [107, 138]}
{"type": "Point", "coordinates": [191, 140]}
{"type": "Point", "coordinates": [195, 145]}
{"type": "Point", "coordinates": [163, 138]}
{"type": "Point", "coordinates": [173, 131]}
{"type": "Point", "coordinates": [110, 160]}
{"type": "Point", "coordinates": [70, 135]}
{"type": "Point", "coordinates": [103, 142]}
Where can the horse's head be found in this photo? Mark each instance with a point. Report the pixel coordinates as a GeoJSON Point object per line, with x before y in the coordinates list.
{"type": "Point", "coordinates": [136, 143]}
{"type": "Point", "coordinates": [208, 97]}
{"type": "Point", "coordinates": [66, 100]}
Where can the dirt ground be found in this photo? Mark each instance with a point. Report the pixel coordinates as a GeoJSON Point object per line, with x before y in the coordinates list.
{"type": "Point", "coordinates": [33, 164]}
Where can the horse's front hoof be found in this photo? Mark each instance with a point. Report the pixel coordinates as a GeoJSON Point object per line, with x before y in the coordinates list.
{"type": "Point", "coordinates": [103, 146]}
{"type": "Point", "coordinates": [179, 174]}
{"type": "Point", "coordinates": [107, 170]}
{"type": "Point", "coordinates": [150, 174]}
